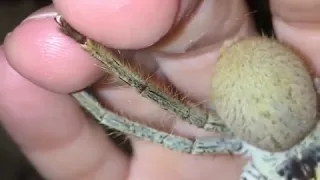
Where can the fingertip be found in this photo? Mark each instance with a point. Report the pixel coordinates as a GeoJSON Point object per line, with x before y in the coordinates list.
{"type": "Point", "coordinates": [38, 51]}
{"type": "Point", "coordinates": [122, 24]}
{"type": "Point", "coordinates": [53, 133]}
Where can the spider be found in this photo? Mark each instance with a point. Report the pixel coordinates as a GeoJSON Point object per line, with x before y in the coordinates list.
{"type": "Point", "coordinates": [299, 162]}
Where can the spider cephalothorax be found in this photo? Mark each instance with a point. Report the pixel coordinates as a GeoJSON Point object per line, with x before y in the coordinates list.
{"type": "Point", "coordinates": [268, 116]}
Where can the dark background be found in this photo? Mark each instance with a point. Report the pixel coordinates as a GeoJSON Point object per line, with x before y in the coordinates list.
{"type": "Point", "coordinates": [13, 165]}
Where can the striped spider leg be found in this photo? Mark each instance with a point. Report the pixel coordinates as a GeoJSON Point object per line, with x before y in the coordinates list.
{"type": "Point", "coordinates": [263, 165]}
{"type": "Point", "coordinates": [170, 141]}
{"type": "Point", "coordinates": [194, 115]}
{"type": "Point", "coordinates": [145, 85]}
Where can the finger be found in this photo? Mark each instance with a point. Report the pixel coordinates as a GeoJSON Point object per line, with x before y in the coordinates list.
{"type": "Point", "coordinates": [189, 58]}
{"type": "Point", "coordinates": [297, 23]}
{"type": "Point", "coordinates": [123, 23]}
{"type": "Point", "coordinates": [174, 165]}
{"type": "Point", "coordinates": [53, 133]}
{"type": "Point", "coordinates": [45, 56]}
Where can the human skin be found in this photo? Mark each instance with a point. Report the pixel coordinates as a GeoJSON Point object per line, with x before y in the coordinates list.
{"type": "Point", "coordinates": [39, 66]}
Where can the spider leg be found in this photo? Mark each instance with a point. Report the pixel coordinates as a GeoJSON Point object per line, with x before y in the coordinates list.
{"type": "Point", "coordinates": [146, 86]}
{"type": "Point", "coordinates": [170, 141]}
{"type": "Point", "coordinates": [198, 146]}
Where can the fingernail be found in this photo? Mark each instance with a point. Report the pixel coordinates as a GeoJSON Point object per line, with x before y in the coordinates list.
{"type": "Point", "coordinates": [40, 16]}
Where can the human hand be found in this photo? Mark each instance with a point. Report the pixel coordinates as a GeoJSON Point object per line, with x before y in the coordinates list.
{"type": "Point", "coordinates": [40, 66]}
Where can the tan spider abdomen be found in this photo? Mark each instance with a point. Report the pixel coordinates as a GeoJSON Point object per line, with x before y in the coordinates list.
{"type": "Point", "coordinates": [264, 93]}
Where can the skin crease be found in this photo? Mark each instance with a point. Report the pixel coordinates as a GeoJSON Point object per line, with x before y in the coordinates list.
{"type": "Point", "coordinates": [58, 139]}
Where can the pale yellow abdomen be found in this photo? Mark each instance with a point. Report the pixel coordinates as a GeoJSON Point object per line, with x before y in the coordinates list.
{"type": "Point", "coordinates": [264, 93]}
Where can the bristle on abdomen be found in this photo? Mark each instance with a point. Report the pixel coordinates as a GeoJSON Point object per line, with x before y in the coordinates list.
{"type": "Point", "coordinates": [264, 93]}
